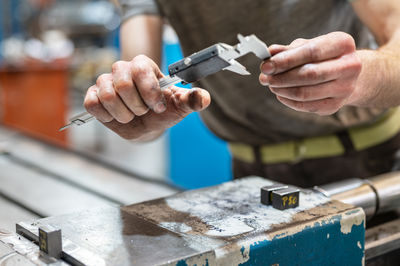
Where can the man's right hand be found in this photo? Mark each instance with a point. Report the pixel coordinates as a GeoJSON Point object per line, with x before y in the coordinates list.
{"type": "Point", "coordinates": [129, 100]}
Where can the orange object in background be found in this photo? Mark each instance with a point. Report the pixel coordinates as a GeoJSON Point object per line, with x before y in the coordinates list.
{"type": "Point", "coordinates": [34, 101]}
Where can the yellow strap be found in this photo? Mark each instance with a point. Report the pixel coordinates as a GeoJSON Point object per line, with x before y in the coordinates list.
{"type": "Point", "coordinates": [367, 136]}
{"type": "Point", "coordinates": [326, 146]}
{"type": "Point", "coordinates": [242, 152]}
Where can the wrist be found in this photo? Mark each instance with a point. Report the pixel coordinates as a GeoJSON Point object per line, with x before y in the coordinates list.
{"type": "Point", "coordinates": [150, 136]}
{"type": "Point", "coordinates": [370, 80]}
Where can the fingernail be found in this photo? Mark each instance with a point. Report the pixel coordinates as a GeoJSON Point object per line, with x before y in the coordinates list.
{"type": "Point", "coordinates": [160, 107]}
{"type": "Point", "coordinates": [268, 68]}
{"type": "Point", "coordinates": [264, 79]}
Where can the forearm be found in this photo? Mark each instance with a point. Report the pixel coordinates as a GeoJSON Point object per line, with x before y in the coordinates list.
{"type": "Point", "coordinates": [141, 35]}
{"type": "Point", "coordinates": [379, 82]}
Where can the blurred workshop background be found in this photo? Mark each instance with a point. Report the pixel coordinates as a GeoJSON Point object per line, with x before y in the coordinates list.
{"type": "Point", "coordinates": [51, 52]}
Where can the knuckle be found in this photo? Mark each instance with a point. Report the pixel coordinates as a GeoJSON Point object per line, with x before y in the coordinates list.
{"type": "Point", "coordinates": [298, 41]}
{"type": "Point", "coordinates": [123, 85]}
{"type": "Point", "coordinates": [285, 61]}
{"type": "Point", "coordinates": [347, 41]}
{"type": "Point", "coordinates": [313, 52]}
{"type": "Point", "coordinates": [107, 95]}
{"type": "Point", "coordinates": [356, 63]}
{"type": "Point", "coordinates": [116, 66]}
{"type": "Point", "coordinates": [310, 72]}
{"type": "Point", "coordinates": [140, 69]}
{"type": "Point", "coordinates": [140, 58]}
{"type": "Point", "coordinates": [300, 94]}
{"type": "Point", "coordinates": [102, 79]}
{"type": "Point", "coordinates": [352, 64]}
{"type": "Point", "coordinates": [90, 105]}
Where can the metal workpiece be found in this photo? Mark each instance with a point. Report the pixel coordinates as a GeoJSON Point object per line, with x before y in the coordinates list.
{"type": "Point", "coordinates": [221, 225]}
{"type": "Point", "coordinates": [266, 193]}
{"type": "Point", "coordinates": [50, 241]}
{"type": "Point", "coordinates": [375, 195]}
{"type": "Point", "coordinates": [387, 187]}
{"type": "Point", "coordinates": [287, 198]}
{"type": "Point", "coordinates": [363, 196]}
{"type": "Point", "coordinates": [220, 56]}
{"type": "Point", "coordinates": [17, 250]}
{"type": "Point", "coordinates": [338, 187]}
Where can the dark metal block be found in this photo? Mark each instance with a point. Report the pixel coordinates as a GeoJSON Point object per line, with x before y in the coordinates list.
{"type": "Point", "coordinates": [283, 199]}
{"type": "Point", "coordinates": [50, 241]}
{"type": "Point", "coordinates": [266, 193]}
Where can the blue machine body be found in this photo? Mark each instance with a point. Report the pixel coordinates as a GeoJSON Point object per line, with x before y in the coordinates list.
{"type": "Point", "coordinates": [192, 147]}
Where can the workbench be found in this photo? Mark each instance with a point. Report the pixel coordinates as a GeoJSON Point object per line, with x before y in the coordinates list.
{"type": "Point", "coordinates": [111, 218]}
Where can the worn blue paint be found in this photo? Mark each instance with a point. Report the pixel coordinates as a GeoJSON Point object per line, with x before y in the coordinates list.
{"type": "Point", "coordinates": [197, 158]}
{"type": "Point", "coordinates": [182, 263]}
{"type": "Point", "coordinates": [312, 247]}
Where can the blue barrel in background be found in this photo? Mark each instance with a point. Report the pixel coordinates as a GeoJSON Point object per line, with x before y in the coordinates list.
{"type": "Point", "coordinates": [197, 158]}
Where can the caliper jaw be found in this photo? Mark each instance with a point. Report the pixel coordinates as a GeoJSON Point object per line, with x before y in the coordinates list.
{"type": "Point", "coordinates": [218, 57]}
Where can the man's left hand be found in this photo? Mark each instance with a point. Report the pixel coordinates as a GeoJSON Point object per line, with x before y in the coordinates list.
{"type": "Point", "coordinates": [317, 75]}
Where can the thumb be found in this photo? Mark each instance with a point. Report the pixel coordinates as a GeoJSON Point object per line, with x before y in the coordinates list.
{"type": "Point", "coordinates": [191, 100]}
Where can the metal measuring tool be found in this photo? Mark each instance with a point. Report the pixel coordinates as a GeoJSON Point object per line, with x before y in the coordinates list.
{"type": "Point", "coordinates": [220, 56]}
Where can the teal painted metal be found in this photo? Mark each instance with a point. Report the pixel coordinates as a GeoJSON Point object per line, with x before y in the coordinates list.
{"type": "Point", "coordinates": [312, 247]}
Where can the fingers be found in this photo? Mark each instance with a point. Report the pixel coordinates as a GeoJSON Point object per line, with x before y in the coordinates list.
{"type": "Point", "coordinates": [274, 49]}
{"type": "Point", "coordinates": [126, 88]}
{"type": "Point", "coordinates": [312, 93]}
{"type": "Point", "coordinates": [146, 74]}
{"type": "Point", "coordinates": [302, 52]}
{"type": "Point", "coordinates": [132, 89]}
{"type": "Point", "coordinates": [326, 106]}
{"type": "Point", "coordinates": [111, 100]}
{"type": "Point", "coordinates": [94, 107]}
{"type": "Point", "coordinates": [192, 100]}
{"type": "Point", "coordinates": [315, 73]}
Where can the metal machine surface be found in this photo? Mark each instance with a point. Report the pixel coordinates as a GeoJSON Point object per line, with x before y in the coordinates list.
{"type": "Point", "coordinates": [221, 225]}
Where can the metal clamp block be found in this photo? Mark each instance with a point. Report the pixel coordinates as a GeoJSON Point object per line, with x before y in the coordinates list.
{"type": "Point", "coordinates": [283, 199]}
{"type": "Point", "coordinates": [266, 196]}
{"type": "Point", "coordinates": [50, 241]}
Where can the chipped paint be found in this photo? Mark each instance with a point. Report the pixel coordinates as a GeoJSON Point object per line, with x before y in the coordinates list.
{"type": "Point", "coordinates": [346, 224]}
{"type": "Point", "coordinates": [176, 226]}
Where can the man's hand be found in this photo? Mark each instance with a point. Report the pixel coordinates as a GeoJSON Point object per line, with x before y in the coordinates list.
{"type": "Point", "coordinates": [317, 75]}
{"type": "Point", "coordinates": [129, 100]}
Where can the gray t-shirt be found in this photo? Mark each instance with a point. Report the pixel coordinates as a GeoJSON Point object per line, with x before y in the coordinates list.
{"type": "Point", "coordinates": [242, 110]}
